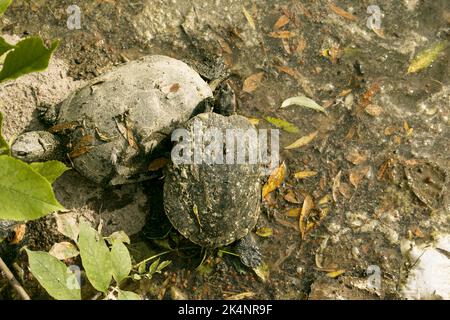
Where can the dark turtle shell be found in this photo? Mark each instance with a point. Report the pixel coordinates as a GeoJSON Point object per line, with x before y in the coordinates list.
{"type": "Point", "coordinates": [213, 204]}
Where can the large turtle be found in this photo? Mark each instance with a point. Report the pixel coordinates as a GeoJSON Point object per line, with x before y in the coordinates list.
{"type": "Point", "coordinates": [111, 128]}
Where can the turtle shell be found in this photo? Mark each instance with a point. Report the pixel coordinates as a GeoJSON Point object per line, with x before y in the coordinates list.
{"type": "Point", "coordinates": [213, 204]}
{"type": "Point", "coordinates": [117, 122]}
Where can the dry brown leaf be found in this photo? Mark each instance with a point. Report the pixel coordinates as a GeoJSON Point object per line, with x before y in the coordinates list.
{"type": "Point", "coordinates": [249, 18]}
{"type": "Point", "coordinates": [301, 46]}
{"type": "Point", "coordinates": [275, 180]}
{"type": "Point", "coordinates": [308, 204]}
{"type": "Point", "coordinates": [294, 213]}
{"type": "Point", "coordinates": [344, 189]}
{"type": "Point", "coordinates": [254, 121]}
{"type": "Point", "coordinates": [157, 164]}
{"type": "Point", "coordinates": [341, 12]}
{"type": "Point", "coordinates": [336, 186]}
{"type": "Point", "coordinates": [292, 72]}
{"type": "Point", "coordinates": [175, 87]}
{"type": "Point", "coordinates": [252, 82]}
{"type": "Point", "coordinates": [79, 152]}
{"type": "Point", "coordinates": [305, 174]}
{"type": "Point", "coordinates": [356, 157]}
{"type": "Point", "coordinates": [302, 141]}
{"type": "Point", "coordinates": [241, 296]}
{"type": "Point", "coordinates": [291, 197]}
{"type": "Point", "coordinates": [281, 22]}
{"type": "Point", "coordinates": [282, 34]}
{"type": "Point", "coordinates": [358, 174]}
{"type": "Point", "coordinates": [368, 95]}
{"type": "Point", "coordinates": [225, 46]}
{"type": "Point", "coordinates": [286, 46]}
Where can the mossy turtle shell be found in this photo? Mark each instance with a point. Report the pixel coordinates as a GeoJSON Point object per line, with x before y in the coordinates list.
{"type": "Point", "coordinates": [123, 115]}
{"type": "Point", "coordinates": [213, 205]}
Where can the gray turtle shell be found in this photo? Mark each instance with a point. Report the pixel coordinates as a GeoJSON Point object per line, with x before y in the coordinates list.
{"type": "Point", "coordinates": [128, 112]}
{"type": "Point", "coordinates": [213, 205]}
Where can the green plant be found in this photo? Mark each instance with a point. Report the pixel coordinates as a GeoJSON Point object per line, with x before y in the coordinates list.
{"type": "Point", "coordinates": [25, 189]}
{"type": "Point", "coordinates": [103, 260]}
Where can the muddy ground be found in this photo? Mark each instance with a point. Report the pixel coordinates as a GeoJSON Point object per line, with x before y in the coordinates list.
{"type": "Point", "coordinates": [381, 153]}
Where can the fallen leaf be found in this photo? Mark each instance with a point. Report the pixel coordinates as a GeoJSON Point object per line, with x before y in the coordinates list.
{"type": "Point", "coordinates": [356, 157]}
{"type": "Point", "coordinates": [79, 152]}
{"type": "Point", "coordinates": [252, 82]}
{"type": "Point", "coordinates": [64, 250]}
{"type": "Point", "coordinates": [368, 95]}
{"type": "Point", "coordinates": [358, 174]}
{"type": "Point", "coordinates": [302, 141]}
{"type": "Point", "coordinates": [291, 197]}
{"type": "Point", "coordinates": [294, 213]}
{"type": "Point", "coordinates": [225, 46]}
{"type": "Point", "coordinates": [281, 22]}
{"type": "Point", "coordinates": [286, 46]}
{"type": "Point", "coordinates": [292, 72]}
{"type": "Point", "coordinates": [341, 12]}
{"type": "Point", "coordinates": [264, 232]}
{"type": "Point", "coordinates": [282, 34]}
{"type": "Point", "coordinates": [262, 271]}
{"type": "Point", "coordinates": [275, 180]}
{"type": "Point", "coordinates": [303, 101]}
{"type": "Point", "coordinates": [254, 121]}
{"type": "Point", "coordinates": [67, 225]}
{"type": "Point", "coordinates": [241, 296]}
{"type": "Point", "coordinates": [335, 274]}
{"type": "Point", "coordinates": [336, 186]}
{"type": "Point", "coordinates": [249, 18]}
{"type": "Point", "coordinates": [301, 46]}
{"type": "Point", "coordinates": [284, 125]}
{"type": "Point", "coordinates": [427, 57]}
{"type": "Point", "coordinates": [308, 204]}
{"type": "Point", "coordinates": [63, 127]}
{"type": "Point", "coordinates": [344, 189]}
{"type": "Point", "coordinates": [175, 87]}
{"type": "Point", "coordinates": [305, 174]}
{"type": "Point", "coordinates": [157, 164]}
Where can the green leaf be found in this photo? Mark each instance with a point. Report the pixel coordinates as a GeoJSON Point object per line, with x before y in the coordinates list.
{"type": "Point", "coordinates": [4, 4]}
{"type": "Point", "coordinates": [30, 55]}
{"type": "Point", "coordinates": [118, 236]}
{"type": "Point", "coordinates": [153, 267]}
{"type": "Point", "coordinates": [426, 57]}
{"type": "Point", "coordinates": [121, 261]}
{"type": "Point", "coordinates": [128, 295]}
{"type": "Point", "coordinates": [4, 146]}
{"type": "Point", "coordinates": [50, 170]}
{"type": "Point", "coordinates": [64, 250]}
{"type": "Point", "coordinates": [303, 101]}
{"type": "Point", "coordinates": [95, 257]}
{"type": "Point", "coordinates": [54, 276]}
{"type": "Point", "coordinates": [5, 46]}
{"type": "Point", "coordinates": [162, 265]}
{"type": "Point", "coordinates": [24, 194]}
{"type": "Point", "coordinates": [284, 125]}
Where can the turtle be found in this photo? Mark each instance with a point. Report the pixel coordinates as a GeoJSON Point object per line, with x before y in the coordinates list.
{"type": "Point", "coordinates": [214, 203]}
{"type": "Point", "coordinates": [114, 126]}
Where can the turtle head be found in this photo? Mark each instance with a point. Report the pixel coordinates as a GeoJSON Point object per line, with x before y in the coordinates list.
{"type": "Point", "coordinates": [36, 146]}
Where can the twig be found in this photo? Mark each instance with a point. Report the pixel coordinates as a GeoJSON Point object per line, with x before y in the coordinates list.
{"type": "Point", "coordinates": [13, 282]}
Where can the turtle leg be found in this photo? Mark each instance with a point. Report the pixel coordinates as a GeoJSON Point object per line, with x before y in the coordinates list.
{"type": "Point", "coordinates": [48, 114]}
{"type": "Point", "coordinates": [225, 101]}
{"type": "Point", "coordinates": [248, 251]}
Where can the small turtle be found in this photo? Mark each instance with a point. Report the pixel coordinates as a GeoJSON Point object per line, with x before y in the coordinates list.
{"type": "Point", "coordinates": [112, 127]}
{"type": "Point", "coordinates": [212, 204]}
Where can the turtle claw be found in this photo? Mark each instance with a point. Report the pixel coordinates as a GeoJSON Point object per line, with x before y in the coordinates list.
{"type": "Point", "coordinates": [248, 251]}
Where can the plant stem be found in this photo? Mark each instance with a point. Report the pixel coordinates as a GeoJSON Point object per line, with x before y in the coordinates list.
{"type": "Point", "coordinates": [13, 282]}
